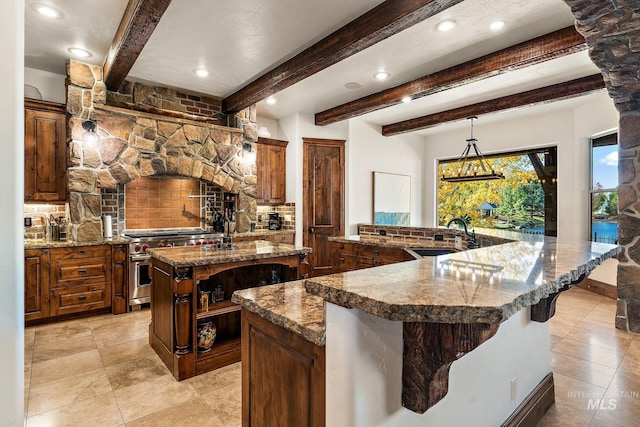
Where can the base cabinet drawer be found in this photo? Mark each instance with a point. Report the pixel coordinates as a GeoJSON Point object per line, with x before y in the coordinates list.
{"type": "Point", "coordinates": [75, 299]}
{"type": "Point", "coordinates": [80, 271]}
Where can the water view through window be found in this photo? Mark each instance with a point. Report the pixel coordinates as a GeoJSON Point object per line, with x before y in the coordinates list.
{"type": "Point", "coordinates": [604, 195]}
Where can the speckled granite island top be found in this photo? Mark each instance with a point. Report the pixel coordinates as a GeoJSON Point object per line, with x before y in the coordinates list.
{"type": "Point", "coordinates": [485, 285]}
{"type": "Point", "coordinates": [48, 244]}
{"type": "Point", "coordinates": [287, 305]}
{"type": "Point", "coordinates": [191, 256]}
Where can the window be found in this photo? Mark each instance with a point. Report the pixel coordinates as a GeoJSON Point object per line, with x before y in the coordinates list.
{"type": "Point", "coordinates": [524, 201]}
{"type": "Point", "coordinates": [604, 189]}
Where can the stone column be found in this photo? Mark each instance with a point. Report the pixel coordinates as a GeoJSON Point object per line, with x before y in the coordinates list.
{"type": "Point", "coordinates": [628, 313]}
{"type": "Point", "coordinates": [612, 31]}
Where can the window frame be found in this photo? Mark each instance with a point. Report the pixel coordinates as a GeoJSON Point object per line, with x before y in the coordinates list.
{"type": "Point", "coordinates": [601, 140]}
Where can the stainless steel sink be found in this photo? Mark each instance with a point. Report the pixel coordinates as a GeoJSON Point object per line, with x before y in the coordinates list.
{"type": "Point", "coordinates": [433, 251]}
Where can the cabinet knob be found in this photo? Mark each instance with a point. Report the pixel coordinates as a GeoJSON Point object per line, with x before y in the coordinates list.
{"type": "Point", "coordinates": [341, 245]}
{"type": "Point", "coordinates": [82, 297]}
{"type": "Point", "coordinates": [82, 252]}
{"type": "Point", "coordinates": [376, 252]}
{"type": "Point", "coordinates": [82, 271]}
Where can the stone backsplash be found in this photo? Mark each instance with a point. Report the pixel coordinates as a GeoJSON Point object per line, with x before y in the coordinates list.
{"type": "Point", "coordinates": [136, 143]}
{"type": "Point", "coordinates": [413, 236]}
{"type": "Point", "coordinates": [38, 211]}
{"type": "Point", "coordinates": [287, 214]}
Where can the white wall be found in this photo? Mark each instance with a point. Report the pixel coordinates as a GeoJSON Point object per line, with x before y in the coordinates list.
{"type": "Point", "coordinates": [11, 193]}
{"type": "Point", "coordinates": [364, 373]}
{"type": "Point", "coordinates": [369, 151]}
{"type": "Point", "coordinates": [50, 85]}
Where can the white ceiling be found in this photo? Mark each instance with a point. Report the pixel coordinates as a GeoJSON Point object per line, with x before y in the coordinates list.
{"type": "Point", "coordinates": [238, 41]}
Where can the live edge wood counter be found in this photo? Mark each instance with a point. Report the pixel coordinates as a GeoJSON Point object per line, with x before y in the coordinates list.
{"type": "Point", "coordinates": [179, 273]}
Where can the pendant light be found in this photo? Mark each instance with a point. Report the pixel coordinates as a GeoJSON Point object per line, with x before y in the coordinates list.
{"type": "Point", "coordinates": [474, 169]}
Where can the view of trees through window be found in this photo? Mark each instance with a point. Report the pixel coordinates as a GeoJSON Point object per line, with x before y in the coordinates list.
{"type": "Point", "coordinates": [604, 194]}
{"type": "Point", "coordinates": [515, 203]}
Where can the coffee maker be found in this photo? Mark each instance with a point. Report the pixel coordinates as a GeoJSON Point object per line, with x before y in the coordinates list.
{"type": "Point", "coordinates": [275, 222]}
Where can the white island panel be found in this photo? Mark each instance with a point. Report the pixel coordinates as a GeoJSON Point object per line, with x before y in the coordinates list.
{"type": "Point", "coordinates": [364, 373]}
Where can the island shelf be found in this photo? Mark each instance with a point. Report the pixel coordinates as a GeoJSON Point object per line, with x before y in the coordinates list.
{"type": "Point", "coordinates": [181, 275]}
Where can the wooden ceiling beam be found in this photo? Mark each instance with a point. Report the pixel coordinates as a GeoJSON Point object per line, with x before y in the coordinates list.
{"type": "Point", "coordinates": [384, 20]}
{"type": "Point", "coordinates": [557, 92]}
{"type": "Point", "coordinates": [140, 19]}
{"type": "Point", "coordinates": [544, 48]}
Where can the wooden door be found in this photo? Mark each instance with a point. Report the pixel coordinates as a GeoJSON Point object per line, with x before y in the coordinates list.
{"type": "Point", "coordinates": [323, 199]}
{"type": "Point", "coordinates": [44, 152]}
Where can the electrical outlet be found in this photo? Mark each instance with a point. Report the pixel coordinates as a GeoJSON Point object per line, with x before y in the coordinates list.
{"type": "Point", "coordinates": [27, 221]}
{"type": "Point", "coordinates": [438, 237]}
{"type": "Point", "coordinates": [287, 217]}
{"type": "Point", "coordinates": [383, 232]}
{"type": "Point", "coordinates": [514, 388]}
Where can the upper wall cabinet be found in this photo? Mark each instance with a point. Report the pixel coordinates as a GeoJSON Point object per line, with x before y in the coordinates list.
{"type": "Point", "coordinates": [272, 177]}
{"type": "Point", "coordinates": [45, 150]}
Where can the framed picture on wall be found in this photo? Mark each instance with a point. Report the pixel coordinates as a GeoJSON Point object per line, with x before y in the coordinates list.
{"type": "Point", "coordinates": [391, 199]}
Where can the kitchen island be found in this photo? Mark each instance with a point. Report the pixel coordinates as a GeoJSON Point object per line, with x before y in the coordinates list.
{"type": "Point", "coordinates": [393, 332]}
{"type": "Point", "coordinates": [190, 296]}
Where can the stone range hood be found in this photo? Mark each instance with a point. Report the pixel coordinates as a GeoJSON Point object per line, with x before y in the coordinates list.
{"type": "Point", "coordinates": [134, 144]}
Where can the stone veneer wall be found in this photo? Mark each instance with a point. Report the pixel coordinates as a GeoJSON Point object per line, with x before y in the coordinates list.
{"type": "Point", "coordinates": [612, 31]}
{"type": "Point", "coordinates": [134, 144]}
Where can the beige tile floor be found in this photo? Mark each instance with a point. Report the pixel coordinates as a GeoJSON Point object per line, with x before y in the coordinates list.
{"type": "Point", "coordinates": [101, 372]}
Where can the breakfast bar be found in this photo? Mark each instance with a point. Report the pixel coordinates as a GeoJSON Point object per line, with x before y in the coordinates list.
{"type": "Point", "coordinates": [195, 327]}
{"type": "Point", "coordinates": [393, 332]}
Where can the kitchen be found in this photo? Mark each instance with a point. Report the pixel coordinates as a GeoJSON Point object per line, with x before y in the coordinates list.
{"type": "Point", "coordinates": [367, 145]}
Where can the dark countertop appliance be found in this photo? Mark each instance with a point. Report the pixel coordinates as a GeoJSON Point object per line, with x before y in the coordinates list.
{"type": "Point", "coordinates": [275, 222]}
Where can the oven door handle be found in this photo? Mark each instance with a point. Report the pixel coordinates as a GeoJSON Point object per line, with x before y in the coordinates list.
{"type": "Point", "coordinates": [140, 258]}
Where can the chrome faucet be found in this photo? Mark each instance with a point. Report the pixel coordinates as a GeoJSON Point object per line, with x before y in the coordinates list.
{"type": "Point", "coordinates": [471, 237]}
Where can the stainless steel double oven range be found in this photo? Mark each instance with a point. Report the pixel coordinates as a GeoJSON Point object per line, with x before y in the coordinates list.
{"type": "Point", "coordinates": [140, 260]}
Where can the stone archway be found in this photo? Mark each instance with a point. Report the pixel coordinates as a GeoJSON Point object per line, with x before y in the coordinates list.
{"type": "Point", "coordinates": [134, 144]}
{"type": "Point", "coordinates": [612, 31]}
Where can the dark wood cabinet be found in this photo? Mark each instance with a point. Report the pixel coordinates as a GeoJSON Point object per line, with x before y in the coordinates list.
{"type": "Point", "coordinates": [283, 376]}
{"type": "Point", "coordinates": [177, 313]}
{"type": "Point", "coordinates": [354, 256]}
{"type": "Point", "coordinates": [271, 167]}
{"type": "Point", "coordinates": [44, 151]}
{"type": "Point", "coordinates": [80, 279]}
{"type": "Point", "coordinates": [119, 278]}
{"type": "Point", "coordinates": [74, 280]}
{"type": "Point", "coordinates": [36, 284]}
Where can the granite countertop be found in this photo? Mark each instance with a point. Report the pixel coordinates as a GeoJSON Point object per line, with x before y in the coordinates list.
{"type": "Point", "coordinates": [482, 285]}
{"type": "Point", "coordinates": [385, 242]}
{"type": "Point", "coordinates": [50, 244]}
{"type": "Point", "coordinates": [259, 233]}
{"type": "Point", "coordinates": [289, 306]}
{"type": "Point", "coordinates": [190, 256]}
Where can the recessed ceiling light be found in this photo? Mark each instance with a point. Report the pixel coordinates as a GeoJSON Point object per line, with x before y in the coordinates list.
{"type": "Point", "coordinates": [447, 25]}
{"type": "Point", "coordinates": [407, 99]}
{"type": "Point", "coordinates": [381, 75]}
{"type": "Point", "coordinates": [271, 100]}
{"type": "Point", "coordinates": [353, 85]}
{"type": "Point", "coordinates": [79, 52]}
{"type": "Point", "coordinates": [201, 72]}
{"type": "Point", "coordinates": [47, 10]}
{"type": "Point", "coordinates": [497, 25]}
